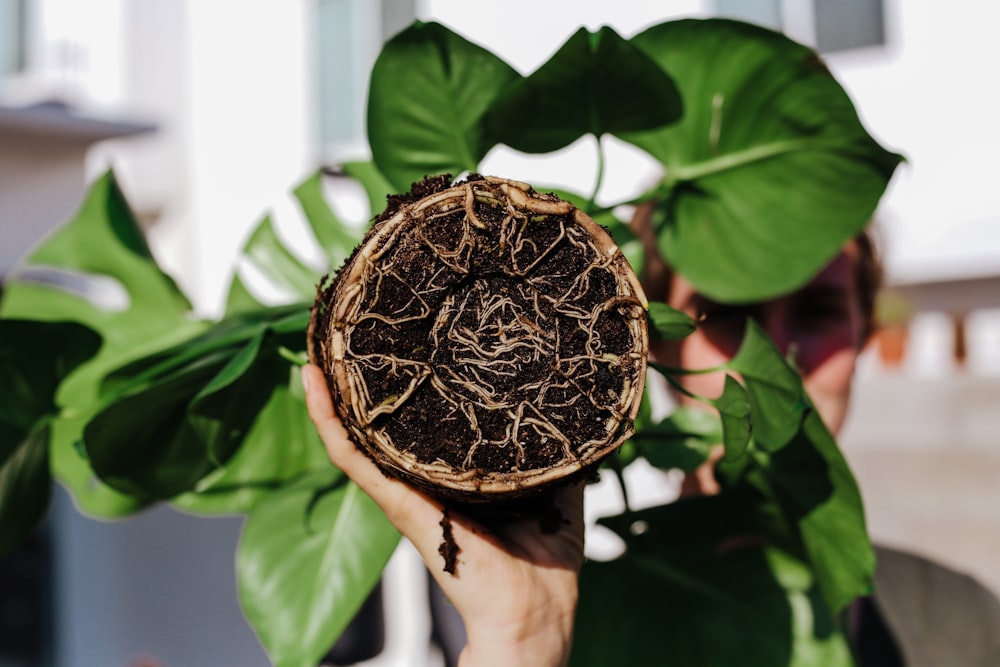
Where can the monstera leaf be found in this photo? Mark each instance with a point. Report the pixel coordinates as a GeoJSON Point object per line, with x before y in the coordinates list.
{"type": "Point", "coordinates": [103, 240]}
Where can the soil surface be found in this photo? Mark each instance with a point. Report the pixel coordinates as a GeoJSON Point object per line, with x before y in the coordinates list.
{"type": "Point", "coordinates": [485, 338]}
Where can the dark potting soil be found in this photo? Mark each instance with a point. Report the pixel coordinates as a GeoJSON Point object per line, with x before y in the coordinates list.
{"type": "Point", "coordinates": [503, 335]}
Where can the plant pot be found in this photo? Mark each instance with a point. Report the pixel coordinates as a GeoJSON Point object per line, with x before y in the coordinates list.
{"type": "Point", "coordinates": [484, 341]}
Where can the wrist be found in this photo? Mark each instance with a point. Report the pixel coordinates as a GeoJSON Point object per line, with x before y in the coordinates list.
{"type": "Point", "coordinates": [538, 640]}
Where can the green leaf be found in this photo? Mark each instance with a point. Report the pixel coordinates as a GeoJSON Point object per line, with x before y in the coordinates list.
{"type": "Point", "coordinates": [428, 93]}
{"type": "Point", "coordinates": [375, 185]}
{"type": "Point", "coordinates": [739, 606]}
{"type": "Point", "coordinates": [682, 441]}
{"type": "Point", "coordinates": [308, 557]}
{"type": "Point", "coordinates": [35, 358]}
{"type": "Point", "coordinates": [239, 300]}
{"type": "Point", "coordinates": [769, 172]}
{"type": "Point", "coordinates": [737, 418]}
{"type": "Point", "coordinates": [334, 237]}
{"type": "Point", "coordinates": [281, 444]}
{"type": "Point", "coordinates": [777, 396]}
{"type": "Point", "coordinates": [171, 418]}
{"type": "Point", "coordinates": [103, 239]}
{"type": "Point", "coordinates": [271, 256]}
{"type": "Point", "coordinates": [596, 83]}
{"type": "Point", "coordinates": [667, 323]}
{"type": "Point", "coordinates": [820, 497]}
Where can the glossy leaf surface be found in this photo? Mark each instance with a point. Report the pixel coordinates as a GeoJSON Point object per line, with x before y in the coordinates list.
{"type": "Point", "coordinates": [428, 93]}
{"type": "Point", "coordinates": [281, 444]}
{"type": "Point", "coordinates": [308, 557]}
{"type": "Point", "coordinates": [174, 417]}
{"type": "Point", "coordinates": [769, 171]}
{"type": "Point", "coordinates": [596, 83]}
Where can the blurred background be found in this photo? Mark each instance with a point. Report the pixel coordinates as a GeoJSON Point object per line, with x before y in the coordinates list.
{"type": "Point", "coordinates": [210, 112]}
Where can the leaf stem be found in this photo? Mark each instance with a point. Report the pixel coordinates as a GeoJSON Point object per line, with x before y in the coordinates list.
{"type": "Point", "coordinates": [591, 206]}
{"type": "Point", "coordinates": [297, 358]}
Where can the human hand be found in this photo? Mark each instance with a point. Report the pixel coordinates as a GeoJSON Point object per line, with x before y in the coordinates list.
{"type": "Point", "coordinates": [515, 586]}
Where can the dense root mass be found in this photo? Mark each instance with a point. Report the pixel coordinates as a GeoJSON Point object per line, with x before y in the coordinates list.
{"type": "Point", "coordinates": [484, 340]}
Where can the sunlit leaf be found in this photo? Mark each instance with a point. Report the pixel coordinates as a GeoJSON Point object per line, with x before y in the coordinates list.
{"type": "Point", "coordinates": [239, 299]}
{"type": "Point", "coordinates": [102, 239]}
{"type": "Point", "coordinates": [189, 407]}
{"type": "Point", "coordinates": [769, 172]}
{"type": "Point", "coordinates": [268, 254]}
{"type": "Point", "coordinates": [336, 239]}
{"type": "Point", "coordinates": [308, 557]}
{"type": "Point", "coordinates": [596, 83]}
{"type": "Point", "coordinates": [429, 90]}
{"type": "Point", "coordinates": [282, 443]}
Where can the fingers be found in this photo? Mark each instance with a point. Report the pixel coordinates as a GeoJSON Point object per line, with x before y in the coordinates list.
{"type": "Point", "coordinates": [413, 513]}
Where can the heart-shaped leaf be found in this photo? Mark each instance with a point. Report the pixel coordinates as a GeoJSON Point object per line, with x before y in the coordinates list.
{"type": "Point", "coordinates": [308, 557]}
{"type": "Point", "coordinates": [769, 172]}
{"type": "Point", "coordinates": [596, 83]}
{"type": "Point", "coordinates": [819, 496]}
{"type": "Point", "coordinates": [428, 93]}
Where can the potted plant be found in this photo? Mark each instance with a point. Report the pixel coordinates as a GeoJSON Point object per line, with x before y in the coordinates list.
{"type": "Point", "coordinates": [148, 405]}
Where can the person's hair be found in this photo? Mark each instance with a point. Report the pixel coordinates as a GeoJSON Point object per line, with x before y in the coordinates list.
{"type": "Point", "coordinates": [656, 273]}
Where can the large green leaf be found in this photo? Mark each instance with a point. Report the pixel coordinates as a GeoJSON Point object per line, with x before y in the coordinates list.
{"type": "Point", "coordinates": [769, 172]}
{"type": "Point", "coordinates": [308, 557]}
{"type": "Point", "coordinates": [172, 418]}
{"type": "Point", "coordinates": [596, 83]}
{"type": "Point", "coordinates": [428, 93]}
{"type": "Point", "coordinates": [103, 239]}
{"type": "Point", "coordinates": [35, 357]}
{"type": "Point", "coordinates": [683, 595]}
{"type": "Point", "coordinates": [281, 444]}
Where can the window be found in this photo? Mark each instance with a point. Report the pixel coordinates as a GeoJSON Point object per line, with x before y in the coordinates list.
{"type": "Point", "coordinates": [828, 25]}
{"type": "Point", "coordinates": [13, 37]}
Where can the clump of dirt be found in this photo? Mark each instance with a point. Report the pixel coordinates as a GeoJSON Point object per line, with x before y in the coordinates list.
{"type": "Point", "coordinates": [485, 341]}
